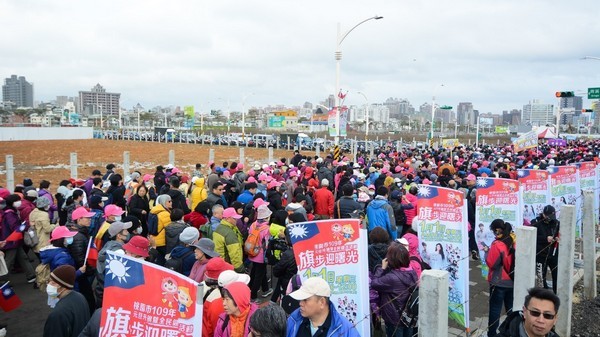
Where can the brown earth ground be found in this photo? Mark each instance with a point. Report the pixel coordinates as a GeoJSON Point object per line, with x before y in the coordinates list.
{"type": "Point", "coordinates": [50, 160]}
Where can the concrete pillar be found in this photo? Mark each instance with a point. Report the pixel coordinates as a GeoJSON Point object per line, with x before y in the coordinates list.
{"type": "Point", "coordinates": [10, 173]}
{"type": "Point", "coordinates": [372, 151]}
{"type": "Point", "coordinates": [288, 142]}
{"type": "Point", "coordinates": [433, 303]}
{"type": "Point", "coordinates": [355, 150]}
{"type": "Point", "coordinates": [565, 280]}
{"type": "Point", "coordinates": [172, 157]}
{"type": "Point", "coordinates": [270, 154]}
{"type": "Point", "coordinates": [589, 246]}
{"type": "Point", "coordinates": [242, 155]}
{"type": "Point", "coordinates": [211, 155]}
{"type": "Point", "coordinates": [125, 163]}
{"type": "Point", "coordinates": [74, 165]}
{"type": "Point", "coordinates": [524, 264]}
{"type": "Point", "coordinates": [318, 150]}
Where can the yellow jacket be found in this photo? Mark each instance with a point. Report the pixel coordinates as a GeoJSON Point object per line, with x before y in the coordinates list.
{"type": "Point", "coordinates": [228, 243]}
{"type": "Point", "coordinates": [199, 193]}
{"type": "Point", "coordinates": [164, 219]}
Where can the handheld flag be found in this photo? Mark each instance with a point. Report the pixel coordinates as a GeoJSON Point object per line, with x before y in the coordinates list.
{"type": "Point", "coordinates": [91, 255]}
{"type": "Point", "coordinates": [8, 299]}
{"type": "Point", "coordinates": [17, 235]}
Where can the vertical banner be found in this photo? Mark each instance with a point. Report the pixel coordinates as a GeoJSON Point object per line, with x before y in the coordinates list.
{"type": "Point", "coordinates": [188, 112]}
{"type": "Point", "coordinates": [443, 238]}
{"type": "Point", "coordinates": [143, 299]}
{"type": "Point", "coordinates": [496, 199]}
{"type": "Point", "coordinates": [565, 190]}
{"type": "Point", "coordinates": [332, 122]}
{"type": "Point", "coordinates": [588, 180]}
{"type": "Point", "coordinates": [535, 193]}
{"type": "Point", "coordinates": [336, 250]}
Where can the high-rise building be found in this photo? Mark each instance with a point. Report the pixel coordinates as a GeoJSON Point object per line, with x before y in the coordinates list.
{"type": "Point", "coordinates": [464, 114]}
{"type": "Point", "coordinates": [97, 101]}
{"type": "Point", "coordinates": [537, 113]}
{"type": "Point", "coordinates": [575, 102]}
{"type": "Point", "coordinates": [18, 91]}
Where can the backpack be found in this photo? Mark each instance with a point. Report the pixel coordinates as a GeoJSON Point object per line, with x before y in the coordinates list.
{"type": "Point", "coordinates": [152, 224]}
{"type": "Point", "coordinates": [410, 314]}
{"type": "Point", "coordinates": [253, 244]}
{"type": "Point", "coordinates": [42, 276]}
{"type": "Point", "coordinates": [424, 265]}
{"type": "Point", "coordinates": [272, 246]}
{"type": "Point", "coordinates": [400, 217]}
{"type": "Point", "coordinates": [288, 303]}
{"type": "Point", "coordinates": [206, 230]}
{"type": "Point", "coordinates": [172, 232]}
{"type": "Point", "coordinates": [176, 264]}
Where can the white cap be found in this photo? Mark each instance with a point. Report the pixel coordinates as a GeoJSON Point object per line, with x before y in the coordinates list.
{"type": "Point", "coordinates": [314, 286]}
{"type": "Point", "coordinates": [324, 182]}
{"type": "Point", "coordinates": [229, 276]}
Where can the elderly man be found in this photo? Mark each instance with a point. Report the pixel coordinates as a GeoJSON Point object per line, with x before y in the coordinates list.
{"type": "Point", "coordinates": [228, 240]}
{"type": "Point", "coordinates": [537, 318]}
{"type": "Point", "coordinates": [317, 316]}
{"type": "Point", "coordinates": [324, 201]}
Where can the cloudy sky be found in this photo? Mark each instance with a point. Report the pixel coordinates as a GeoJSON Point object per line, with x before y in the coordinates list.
{"type": "Point", "coordinates": [496, 54]}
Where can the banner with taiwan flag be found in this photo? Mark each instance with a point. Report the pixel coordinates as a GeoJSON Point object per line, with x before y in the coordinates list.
{"type": "Point", "coordinates": [565, 190]}
{"type": "Point", "coordinates": [336, 250]}
{"type": "Point", "coordinates": [496, 199]}
{"type": "Point", "coordinates": [332, 122]}
{"type": "Point", "coordinates": [442, 228]}
{"type": "Point", "coordinates": [8, 299]}
{"type": "Point", "coordinates": [144, 299]}
{"type": "Point", "coordinates": [535, 192]}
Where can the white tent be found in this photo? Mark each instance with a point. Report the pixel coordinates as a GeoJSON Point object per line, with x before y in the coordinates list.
{"type": "Point", "coordinates": [546, 133]}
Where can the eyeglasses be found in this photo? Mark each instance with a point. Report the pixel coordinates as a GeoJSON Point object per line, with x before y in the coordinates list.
{"type": "Point", "coordinates": [536, 313]}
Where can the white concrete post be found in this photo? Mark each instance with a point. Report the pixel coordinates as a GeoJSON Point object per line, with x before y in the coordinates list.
{"type": "Point", "coordinates": [74, 165]}
{"type": "Point", "coordinates": [10, 173]}
{"type": "Point", "coordinates": [318, 150]}
{"type": "Point", "coordinates": [242, 155]}
{"type": "Point", "coordinates": [288, 143]}
{"type": "Point", "coordinates": [433, 303]}
{"type": "Point", "coordinates": [125, 163]}
{"type": "Point", "coordinates": [211, 155]}
{"type": "Point", "coordinates": [566, 256]}
{"type": "Point", "coordinates": [524, 264]}
{"type": "Point", "coordinates": [172, 157]}
{"type": "Point", "coordinates": [372, 151]}
{"type": "Point", "coordinates": [589, 245]}
{"type": "Point", "coordinates": [270, 154]}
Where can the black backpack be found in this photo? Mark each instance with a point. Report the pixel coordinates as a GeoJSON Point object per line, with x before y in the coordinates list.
{"type": "Point", "coordinates": [272, 246]}
{"type": "Point", "coordinates": [176, 264]}
{"type": "Point", "coordinates": [400, 216]}
{"type": "Point", "coordinates": [409, 316]}
{"type": "Point", "coordinates": [152, 224]}
{"type": "Point", "coordinates": [424, 265]}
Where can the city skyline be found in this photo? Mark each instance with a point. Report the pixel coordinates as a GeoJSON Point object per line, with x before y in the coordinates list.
{"type": "Point", "coordinates": [497, 56]}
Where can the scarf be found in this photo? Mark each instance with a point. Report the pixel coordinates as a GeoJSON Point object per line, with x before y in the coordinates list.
{"type": "Point", "coordinates": [238, 323]}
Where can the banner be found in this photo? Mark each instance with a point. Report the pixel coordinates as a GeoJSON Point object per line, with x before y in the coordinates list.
{"type": "Point", "coordinates": [443, 241]}
{"type": "Point", "coordinates": [557, 142]}
{"type": "Point", "coordinates": [336, 250]}
{"type": "Point", "coordinates": [565, 190]}
{"type": "Point", "coordinates": [450, 143]}
{"type": "Point", "coordinates": [535, 193]}
{"type": "Point", "coordinates": [526, 141]}
{"type": "Point", "coordinates": [332, 122]}
{"type": "Point", "coordinates": [496, 199]}
{"type": "Point", "coordinates": [501, 129]}
{"type": "Point", "coordinates": [188, 112]}
{"type": "Point", "coordinates": [144, 299]}
{"type": "Point", "coordinates": [588, 180]}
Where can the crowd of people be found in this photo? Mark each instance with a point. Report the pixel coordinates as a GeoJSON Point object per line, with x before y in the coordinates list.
{"type": "Point", "coordinates": [224, 224]}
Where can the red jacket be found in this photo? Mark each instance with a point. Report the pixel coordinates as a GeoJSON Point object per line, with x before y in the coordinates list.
{"type": "Point", "coordinates": [499, 262]}
{"type": "Point", "coordinates": [410, 213]}
{"type": "Point", "coordinates": [324, 201]}
{"type": "Point", "coordinates": [195, 219]}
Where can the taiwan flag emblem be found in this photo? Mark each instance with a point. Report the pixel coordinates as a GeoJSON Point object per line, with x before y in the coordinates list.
{"type": "Point", "coordinates": [8, 299]}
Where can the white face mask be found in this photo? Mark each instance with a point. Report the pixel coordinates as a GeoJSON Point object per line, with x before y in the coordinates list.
{"type": "Point", "coordinates": [51, 290]}
{"type": "Point", "coordinates": [17, 204]}
{"type": "Point", "coordinates": [139, 230]}
{"type": "Point", "coordinates": [118, 218]}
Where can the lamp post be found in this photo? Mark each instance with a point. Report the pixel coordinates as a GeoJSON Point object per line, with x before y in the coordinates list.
{"type": "Point", "coordinates": [244, 114]}
{"type": "Point", "coordinates": [366, 115]}
{"type": "Point", "coordinates": [101, 122]}
{"type": "Point", "coordinates": [338, 58]}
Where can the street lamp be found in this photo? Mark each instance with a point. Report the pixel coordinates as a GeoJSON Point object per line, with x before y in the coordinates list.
{"type": "Point", "coordinates": [244, 114]}
{"type": "Point", "coordinates": [433, 110]}
{"type": "Point", "coordinates": [338, 58]}
{"type": "Point", "coordinates": [366, 115]}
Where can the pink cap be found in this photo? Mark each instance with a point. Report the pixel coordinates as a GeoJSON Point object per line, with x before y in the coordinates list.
{"type": "Point", "coordinates": [251, 173]}
{"type": "Point", "coordinates": [293, 174]}
{"type": "Point", "coordinates": [474, 166]}
{"type": "Point", "coordinates": [81, 212]}
{"type": "Point", "coordinates": [62, 232]}
{"type": "Point", "coordinates": [259, 202]}
{"type": "Point", "coordinates": [147, 177]}
{"type": "Point", "coordinates": [426, 181]}
{"type": "Point", "coordinates": [113, 210]}
{"type": "Point", "coordinates": [262, 177]}
{"type": "Point", "coordinates": [273, 183]}
{"type": "Point", "coordinates": [240, 167]}
{"type": "Point", "coordinates": [471, 177]}
{"type": "Point", "coordinates": [231, 213]}
{"type": "Point", "coordinates": [175, 170]}
{"type": "Point", "coordinates": [251, 180]}
{"type": "Point", "coordinates": [371, 187]}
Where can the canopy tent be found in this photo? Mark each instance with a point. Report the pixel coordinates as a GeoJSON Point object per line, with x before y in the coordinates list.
{"type": "Point", "coordinates": [546, 133]}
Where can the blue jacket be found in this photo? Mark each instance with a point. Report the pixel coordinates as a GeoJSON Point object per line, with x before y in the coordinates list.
{"type": "Point", "coordinates": [381, 214]}
{"type": "Point", "coordinates": [340, 326]}
{"type": "Point", "coordinates": [188, 261]}
{"type": "Point", "coordinates": [246, 197]}
{"type": "Point", "coordinates": [56, 256]}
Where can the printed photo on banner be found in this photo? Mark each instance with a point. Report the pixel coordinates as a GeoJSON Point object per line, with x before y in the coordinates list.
{"type": "Point", "coordinates": [535, 193]}
{"type": "Point", "coordinates": [496, 199]}
{"type": "Point", "coordinates": [336, 250]}
{"type": "Point", "coordinates": [143, 299]}
{"type": "Point", "coordinates": [565, 190]}
{"type": "Point", "coordinates": [442, 229]}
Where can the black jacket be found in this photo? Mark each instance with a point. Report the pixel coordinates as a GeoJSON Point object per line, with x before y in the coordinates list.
{"type": "Point", "coordinates": [286, 267]}
{"type": "Point", "coordinates": [346, 205]}
{"type": "Point", "coordinates": [544, 230]}
{"type": "Point", "coordinates": [510, 326]}
{"type": "Point", "coordinates": [79, 246]}
{"type": "Point", "coordinates": [274, 199]}
{"type": "Point", "coordinates": [159, 180]}
{"type": "Point", "coordinates": [179, 200]}
{"type": "Point", "coordinates": [138, 204]}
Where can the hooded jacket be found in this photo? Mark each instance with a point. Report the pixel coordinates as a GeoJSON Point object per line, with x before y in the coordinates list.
{"type": "Point", "coordinates": [199, 193]}
{"type": "Point", "coordinates": [340, 326]}
{"type": "Point", "coordinates": [164, 219]}
{"type": "Point", "coordinates": [413, 252]}
{"type": "Point", "coordinates": [499, 263]}
{"type": "Point", "coordinates": [188, 261]}
{"type": "Point", "coordinates": [225, 331]}
{"type": "Point", "coordinates": [40, 222]}
{"type": "Point", "coordinates": [55, 257]}
{"type": "Point", "coordinates": [10, 223]}
{"type": "Point", "coordinates": [411, 213]}
{"type": "Point", "coordinates": [179, 200]}
{"type": "Point", "coordinates": [393, 286]}
{"type": "Point", "coordinates": [381, 214]}
{"type": "Point", "coordinates": [228, 243]}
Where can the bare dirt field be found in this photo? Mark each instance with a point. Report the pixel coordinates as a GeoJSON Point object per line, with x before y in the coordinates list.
{"type": "Point", "coordinates": [50, 159]}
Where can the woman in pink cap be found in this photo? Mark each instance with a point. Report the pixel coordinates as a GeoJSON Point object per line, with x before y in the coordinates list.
{"type": "Point", "coordinates": [56, 254]}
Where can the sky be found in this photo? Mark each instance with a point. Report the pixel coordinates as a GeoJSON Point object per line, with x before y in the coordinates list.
{"type": "Point", "coordinates": [224, 54]}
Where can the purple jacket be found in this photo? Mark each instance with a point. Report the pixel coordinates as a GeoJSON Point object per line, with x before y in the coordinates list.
{"type": "Point", "coordinates": [393, 287]}
{"type": "Point", "coordinates": [10, 223]}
